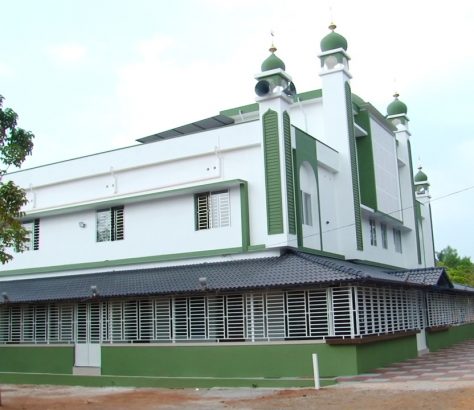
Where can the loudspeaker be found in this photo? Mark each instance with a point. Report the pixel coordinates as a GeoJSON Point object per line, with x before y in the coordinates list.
{"type": "Point", "coordinates": [290, 90]}
{"type": "Point", "coordinates": [262, 88]}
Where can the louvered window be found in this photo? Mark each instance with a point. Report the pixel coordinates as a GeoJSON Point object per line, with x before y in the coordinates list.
{"type": "Point", "coordinates": [212, 209]}
{"type": "Point", "coordinates": [307, 211]}
{"type": "Point", "coordinates": [32, 239]}
{"type": "Point", "coordinates": [373, 232]}
{"type": "Point", "coordinates": [110, 224]}
{"type": "Point", "coordinates": [397, 239]}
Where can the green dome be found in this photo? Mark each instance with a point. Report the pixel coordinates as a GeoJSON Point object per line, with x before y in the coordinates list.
{"type": "Point", "coordinates": [421, 176]}
{"type": "Point", "coordinates": [272, 62]}
{"type": "Point", "coordinates": [357, 100]}
{"type": "Point", "coordinates": [333, 40]}
{"type": "Point", "coordinates": [396, 107]}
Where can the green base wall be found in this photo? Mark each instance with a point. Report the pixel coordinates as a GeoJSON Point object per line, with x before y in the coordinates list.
{"type": "Point", "coordinates": [227, 361]}
{"type": "Point", "coordinates": [454, 334]}
{"type": "Point", "coordinates": [225, 365]}
{"type": "Point", "coordinates": [37, 359]}
{"type": "Point", "coordinates": [378, 354]}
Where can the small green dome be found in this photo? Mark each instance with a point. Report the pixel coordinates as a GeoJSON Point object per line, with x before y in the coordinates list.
{"type": "Point", "coordinates": [333, 41]}
{"type": "Point", "coordinates": [396, 107]}
{"type": "Point", "coordinates": [421, 176]}
{"type": "Point", "coordinates": [357, 100]}
{"type": "Point", "coordinates": [272, 61]}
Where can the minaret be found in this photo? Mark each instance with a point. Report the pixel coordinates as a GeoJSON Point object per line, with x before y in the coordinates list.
{"type": "Point", "coordinates": [422, 186]}
{"type": "Point", "coordinates": [422, 194]}
{"type": "Point", "coordinates": [339, 134]}
{"type": "Point", "coordinates": [275, 91]}
{"type": "Point", "coordinates": [397, 115]}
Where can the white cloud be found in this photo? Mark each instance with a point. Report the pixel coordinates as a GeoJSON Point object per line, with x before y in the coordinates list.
{"type": "Point", "coordinates": [68, 53]}
{"type": "Point", "coordinates": [158, 91]}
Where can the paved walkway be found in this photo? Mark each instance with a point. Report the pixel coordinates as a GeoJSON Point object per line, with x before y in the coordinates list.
{"type": "Point", "coordinates": [455, 363]}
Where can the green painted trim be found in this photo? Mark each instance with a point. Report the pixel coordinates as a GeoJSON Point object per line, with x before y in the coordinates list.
{"type": "Point", "coordinates": [214, 186]}
{"type": "Point", "coordinates": [290, 188]}
{"type": "Point", "coordinates": [244, 109]}
{"type": "Point", "coordinates": [365, 155]}
{"type": "Point", "coordinates": [417, 231]}
{"type": "Point", "coordinates": [309, 95]}
{"type": "Point", "coordinates": [122, 262]}
{"type": "Point", "coordinates": [298, 205]}
{"type": "Point", "coordinates": [377, 264]}
{"type": "Point", "coordinates": [244, 215]}
{"type": "Point", "coordinates": [306, 150]}
{"type": "Point", "coordinates": [271, 148]}
{"type": "Point", "coordinates": [354, 169]}
{"type": "Point", "coordinates": [321, 253]}
{"type": "Point", "coordinates": [256, 248]}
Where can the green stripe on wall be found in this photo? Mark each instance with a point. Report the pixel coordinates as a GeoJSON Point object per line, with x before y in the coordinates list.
{"type": "Point", "coordinates": [272, 173]}
{"type": "Point", "coordinates": [354, 169]}
{"type": "Point", "coordinates": [290, 189]}
{"type": "Point", "coordinates": [368, 193]}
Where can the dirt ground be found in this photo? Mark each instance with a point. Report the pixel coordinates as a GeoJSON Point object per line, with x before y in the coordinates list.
{"type": "Point", "coordinates": [367, 396]}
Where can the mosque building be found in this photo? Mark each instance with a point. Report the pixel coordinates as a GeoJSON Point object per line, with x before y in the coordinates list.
{"type": "Point", "coordinates": [228, 251]}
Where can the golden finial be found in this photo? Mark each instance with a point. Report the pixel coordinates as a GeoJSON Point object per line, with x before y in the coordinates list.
{"type": "Point", "coordinates": [332, 26]}
{"type": "Point", "coordinates": [272, 49]}
{"type": "Point", "coordinates": [396, 95]}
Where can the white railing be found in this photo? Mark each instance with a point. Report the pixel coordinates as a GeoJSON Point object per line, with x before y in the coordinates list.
{"type": "Point", "coordinates": [346, 311]}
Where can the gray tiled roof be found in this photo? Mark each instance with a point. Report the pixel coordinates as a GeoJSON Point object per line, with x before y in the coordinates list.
{"type": "Point", "coordinates": [426, 276]}
{"type": "Point", "coordinates": [291, 269]}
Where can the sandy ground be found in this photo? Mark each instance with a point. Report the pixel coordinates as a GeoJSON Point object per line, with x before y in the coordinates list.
{"type": "Point", "coordinates": [367, 396]}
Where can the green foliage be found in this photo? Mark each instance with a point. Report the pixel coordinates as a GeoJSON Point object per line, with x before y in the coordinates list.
{"type": "Point", "coordinates": [15, 145]}
{"type": "Point", "coordinates": [460, 269]}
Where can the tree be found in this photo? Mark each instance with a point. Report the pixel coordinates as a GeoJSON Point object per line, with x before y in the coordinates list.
{"type": "Point", "coordinates": [460, 269]}
{"type": "Point", "coordinates": [15, 145]}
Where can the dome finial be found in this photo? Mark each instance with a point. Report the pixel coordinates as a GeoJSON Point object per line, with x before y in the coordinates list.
{"type": "Point", "coordinates": [333, 40]}
{"type": "Point", "coordinates": [397, 107]}
{"type": "Point", "coordinates": [272, 49]}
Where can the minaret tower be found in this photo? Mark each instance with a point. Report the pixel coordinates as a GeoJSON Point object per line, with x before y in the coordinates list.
{"type": "Point", "coordinates": [339, 134]}
{"type": "Point", "coordinates": [275, 91]}
{"type": "Point", "coordinates": [411, 211]}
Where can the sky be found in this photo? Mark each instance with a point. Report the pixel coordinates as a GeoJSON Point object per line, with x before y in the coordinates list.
{"type": "Point", "coordinates": [93, 75]}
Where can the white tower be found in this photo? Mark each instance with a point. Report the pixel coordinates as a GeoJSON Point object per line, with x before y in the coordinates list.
{"type": "Point", "coordinates": [339, 134]}
{"type": "Point", "coordinates": [275, 91]}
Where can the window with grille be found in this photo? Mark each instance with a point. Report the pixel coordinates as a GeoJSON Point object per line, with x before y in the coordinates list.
{"type": "Point", "coordinates": [373, 232]}
{"type": "Point", "coordinates": [307, 213]}
{"type": "Point", "coordinates": [251, 316]}
{"type": "Point", "coordinates": [397, 239]}
{"type": "Point", "coordinates": [212, 210]}
{"type": "Point", "coordinates": [32, 238]}
{"type": "Point", "coordinates": [110, 224]}
{"type": "Point", "coordinates": [383, 231]}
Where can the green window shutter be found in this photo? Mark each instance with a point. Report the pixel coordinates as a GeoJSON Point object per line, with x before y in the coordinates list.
{"type": "Point", "coordinates": [366, 167]}
{"type": "Point", "coordinates": [272, 173]}
{"type": "Point", "coordinates": [290, 189]}
{"type": "Point", "coordinates": [354, 169]}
